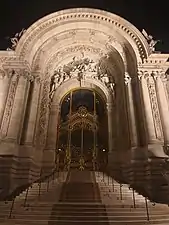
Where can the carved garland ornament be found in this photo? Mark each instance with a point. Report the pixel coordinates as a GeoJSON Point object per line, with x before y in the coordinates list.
{"type": "Point", "coordinates": [85, 16]}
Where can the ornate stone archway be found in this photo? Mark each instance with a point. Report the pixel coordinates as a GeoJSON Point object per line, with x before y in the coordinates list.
{"type": "Point", "coordinates": [125, 58]}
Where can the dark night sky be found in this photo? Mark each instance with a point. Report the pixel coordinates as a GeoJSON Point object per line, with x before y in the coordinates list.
{"type": "Point", "coordinates": [18, 14]}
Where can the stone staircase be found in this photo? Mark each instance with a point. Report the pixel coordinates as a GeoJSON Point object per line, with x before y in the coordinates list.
{"type": "Point", "coordinates": [83, 197]}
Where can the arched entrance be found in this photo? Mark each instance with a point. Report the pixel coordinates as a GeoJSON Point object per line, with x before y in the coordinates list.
{"type": "Point", "coordinates": [75, 49]}
{"type": "Point", "coordinates": [83, 130]}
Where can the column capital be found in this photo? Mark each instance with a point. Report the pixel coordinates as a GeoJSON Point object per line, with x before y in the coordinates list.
{"type": "Point", "coordinates": [155, 74]}
{"type": "Point", "coordinates": [109, 106]}
{"type": "Point", "coordinates": [127, 78]}
{"type": "Point", "coordinates": [25, 72]}
{"type": "Point", "coordinates": [55, 107]}
{"type": "Point", "coordinates": [37, 77]}
{"type": "Point", "coordinates": [2, 74]}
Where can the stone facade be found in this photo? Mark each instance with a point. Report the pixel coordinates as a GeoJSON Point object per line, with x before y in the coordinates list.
{"type": "Point", "coordinates": [71, 49]}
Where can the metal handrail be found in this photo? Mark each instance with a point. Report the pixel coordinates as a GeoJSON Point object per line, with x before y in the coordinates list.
{"type": "Point", "coordinates": [133, 196]}
{"type": "Point", "coordinates": [26, 188]}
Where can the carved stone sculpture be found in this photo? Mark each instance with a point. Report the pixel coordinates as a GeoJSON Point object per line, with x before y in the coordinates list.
{"type": "Point", "coordinates": [80, 68]}
{"type": "Point", "coordinates": [15, 40]}
{"type": "Point", "coordinates": [150, 40]}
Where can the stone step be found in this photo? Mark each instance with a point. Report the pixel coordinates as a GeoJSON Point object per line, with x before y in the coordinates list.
{"type": "Point", "coordinates": [96, 216]}
{"type": "Point", "coordinates": [88, 213]}
{"type": "Point", "coordinates": [102, 222]}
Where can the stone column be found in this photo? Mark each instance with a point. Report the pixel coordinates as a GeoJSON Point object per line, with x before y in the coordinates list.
{"type": "Point", "coordinates": [152, 113]}
{"type": "Point", "coordinates": [51, 141]}
{"type": "Point", "coordinates": [28, 149]}
{"type": "Point", "coordinates": [19, 107]}
{"type": "Point", "coordinates": [11, 129]}
{"type": "Point", "coordinates": [9, 104]}
{"type": "Point", "coordinates": [52, 126]}
{"type": "Point", "coordinates": [110, 126]}
{"type": "Point", "coordinates": [148, 90]}
{"type": "Point", "coordinates": [130, 106]}
{"type": "Point", "coordinates": [32, 115]}
{"type": "Point", "coordinates": [138, 101]}
{"type": "Point", "coordinates": [161, 87]}
{"type": "Point", "coordinates": [4, 88]}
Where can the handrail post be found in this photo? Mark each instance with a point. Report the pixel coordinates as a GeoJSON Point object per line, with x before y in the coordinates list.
{"type": "Point", "coordinates": [113, 184]}
{"type": "Point", "coordinates": [39, 189]}
{"type": "Point", "coordinates": [48, 185]}
{"type": "Point", "coordinates": [11, 209]}
{"type": "Point", "coordinates": [147, 211]}
{"type": "Point", "coordinates": [134, 200]}
{"type": "Point", "coordinates": [108, 180]}
{"type": "Point", "coordinates": [53, 177]}
{"type": "Point", "coordinates": [121, 198]}
{"type": "Point", "coordinates": [24, 204]}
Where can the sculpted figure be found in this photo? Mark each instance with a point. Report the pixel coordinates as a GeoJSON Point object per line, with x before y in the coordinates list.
{"type": "Point", "coordinates": [150, 40]}
{"type": "Point", "coordinates": [55, 79]}
{"type": "Point", "coordinates": [16, 39]}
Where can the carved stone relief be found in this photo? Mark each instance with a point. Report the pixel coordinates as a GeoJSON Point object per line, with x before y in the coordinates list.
{"type": "Point", "coordinates": [15, 40]}
{"type": "Point", "coordinates": [107, 44]}
{"type": "Point", "coordinates": [81, 68]}
{"type": "Point", "coordinates": [58, 57]}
